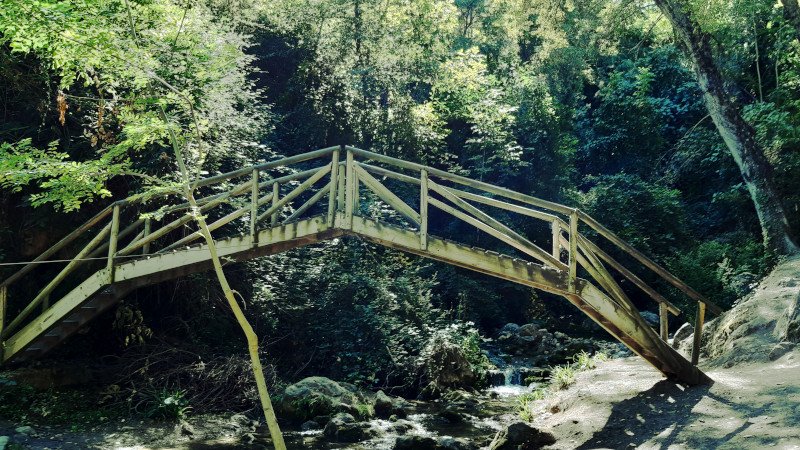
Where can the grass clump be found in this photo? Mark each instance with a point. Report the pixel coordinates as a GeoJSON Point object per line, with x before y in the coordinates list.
{"type": "Point", "coordinates": [561, 377]}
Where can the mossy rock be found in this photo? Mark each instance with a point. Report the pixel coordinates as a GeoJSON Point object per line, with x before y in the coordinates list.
{"type": "Point", "coordinates": [319, 396]}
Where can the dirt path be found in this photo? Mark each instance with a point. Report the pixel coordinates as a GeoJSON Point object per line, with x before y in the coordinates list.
{"type": "Point", "coordinates": [624, 403]}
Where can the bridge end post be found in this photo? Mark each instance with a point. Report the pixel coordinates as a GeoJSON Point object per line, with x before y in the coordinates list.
{"type": "Point", "coordinates": [556, 229]}
{"type": "Point", "coordinates": [423, 209]}
{"type": "Point", "coordinates": [698, 332]}
{"type": "Point", "coordinates": [573, 249]}
{"type": "Point", "coordinates": [112, 244]}
{"type": "Point", "coordinates": [276, 194]}
{"type": "Point", "coordinates": [254, 207]}
{"type": "Point", "coordinates": [334, 186]}
{"type": "Point", "coordinates": [350, 190]}
{"type": "Point", "coordinates": [147, 225]}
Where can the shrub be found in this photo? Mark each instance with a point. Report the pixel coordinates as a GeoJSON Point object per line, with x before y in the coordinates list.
{"type": "Point", "coordinates": [166, 405]}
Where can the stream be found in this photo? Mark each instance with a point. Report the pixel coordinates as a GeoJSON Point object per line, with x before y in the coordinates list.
{"type": "Point", "coordinates": [472, 417]}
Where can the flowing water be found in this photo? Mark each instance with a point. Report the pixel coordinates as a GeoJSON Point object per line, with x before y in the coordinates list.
{"type": "Point", "coordinates": [475, 417]}
{"type": "Point", "coordinates": [481, 415]}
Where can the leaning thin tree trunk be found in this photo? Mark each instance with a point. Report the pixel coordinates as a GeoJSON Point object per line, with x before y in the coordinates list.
{"type": "Point", "coordinates": [252, 338]}
{"type": "Point", "coordinates": [792, 14]}
{"type": "Point", "coordinates": [738, 135]}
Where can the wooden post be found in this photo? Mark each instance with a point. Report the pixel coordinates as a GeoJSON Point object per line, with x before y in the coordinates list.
{"type": "Point", "coordinates": [423, 209]}
{"type": "Point", "coordinates": [356, 194]}
{"type": "Point", "coordinates": [254, 207]}
{"type": "Point", "coordinates": [349, 201]}
{"type": "Point", "coordinates": [556, 228]}
{"type": "Point", "coordinates": [698, 332]}
{"type": "Point", "coordinates": [573, 249]}
{"type": "Point", "coordinates": [112, 243]}
{"type": "Point", "coordinates": [334, 183]}
{"type": "Point", "coordinates": [341, 191]}
{"type": "Point", "coordinates": [147, 225]}
{"type": "Point", "coordinates": [663, 315]}
{"type": "Point", "coordinates": [276, 193]}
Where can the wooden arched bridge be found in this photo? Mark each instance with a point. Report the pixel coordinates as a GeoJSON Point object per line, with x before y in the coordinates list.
{"type": "Point", "coordinates": [276, 206]}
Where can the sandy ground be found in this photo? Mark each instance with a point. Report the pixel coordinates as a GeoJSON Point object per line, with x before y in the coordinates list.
{"type": "Point", "coordinates": [625, 403]}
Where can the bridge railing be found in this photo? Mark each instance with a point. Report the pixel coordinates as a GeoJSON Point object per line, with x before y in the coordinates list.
{"type": "Point", "coordinates": [564, 221]}
{"type": "Point", "coordinates": [255, 197]}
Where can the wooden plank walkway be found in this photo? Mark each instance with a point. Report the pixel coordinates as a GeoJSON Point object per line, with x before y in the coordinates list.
{"type": "Point", "coordinates": [295, 216]}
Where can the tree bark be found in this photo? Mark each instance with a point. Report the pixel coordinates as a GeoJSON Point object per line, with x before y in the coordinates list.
{"type": "Point", "coordinates": [792, 14]}
{"type": "Point", "coordinates": [738, 135]}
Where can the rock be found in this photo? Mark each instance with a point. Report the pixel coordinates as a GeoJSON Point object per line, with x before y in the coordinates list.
{"type": "Point", "coordinates": [386, 406]}
{"type": "Point", "coordinates": [520, 434]}
{"type": "Point", "coordinates": [528, 330]}
{"type": "Point", "coordinates": [319, 396]}
{"type": "Point", "coordinates": [448, 443]}
{"type": "Point", "coordinates": [681, 334]}
{"type": "Point", "coordinates": [509, 328]}
{"type": "Point", "coordinates": [446, 368]}
{"type": "Point", "coordinates": [310, 425]}
{"type": "Point", "coordinates": [650, 317]}
{"type": "Point", "coordinates": [779, 350]}
{"type": "Point", "coordinates": [402, 426]}
{"type": "Point", "coordinates": [321, 420]}
{"type": "Point", "coordinates": [450, 415]}
{"type": "Point", "coordinates": [344, 428]}
{"type": "Point", "coordinates": [317, 385]}
{"type": "Point", "coordinates": [415, 443]}
{"type": "Point", "coordinates": [239, 421]}
{"type": "Point", "coordinates": [497, 378]}
{"type": "Point", "coordinates": [743, 283]}
{"type": "Point", "coordinates": [383, 405]}
{"type": "Point", "coordinates": [184, 428]}
{"type": "Point", "coordinates": [26, 430]}
{"type": "Point", "coordinates": [790, 323]}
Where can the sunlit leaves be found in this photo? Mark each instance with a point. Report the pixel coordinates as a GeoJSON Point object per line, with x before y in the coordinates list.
{"type": "Point", "coordinates": [61, 182]}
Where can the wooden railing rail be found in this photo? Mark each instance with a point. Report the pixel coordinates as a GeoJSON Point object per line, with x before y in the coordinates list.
{"type": "Point", "coordinates": [22, 315]}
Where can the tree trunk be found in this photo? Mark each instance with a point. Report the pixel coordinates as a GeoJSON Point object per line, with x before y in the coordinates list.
{"type": "Point", "coordinates": [792, 14]}
{"type": "Point", "coordinates": [738, 135]}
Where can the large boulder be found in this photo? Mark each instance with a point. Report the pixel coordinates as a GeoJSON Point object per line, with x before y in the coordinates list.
{"type": "Point", "coordinates": [446, 367]}
{"type": "Point", "coordinates": [344, 428]}
{"type": "Point", "coordinates": [449, 443]}
{"type": "Point", "coordinates": [529, 329]}
{"type": "Point", "coordinates": [386, 406]}
{"type": "Point", "coordinates": [319, 396]}
{"type": "Point", "coordinates": [521, 436]}
{"type": "Point", "coordinates": [650, 317]}
{"type": "Point", "coordinates": [509, 328]}
{"type": "Point", "coordinates": [415, 442]}
{"type": "Point", "coordinates": [682, 334]}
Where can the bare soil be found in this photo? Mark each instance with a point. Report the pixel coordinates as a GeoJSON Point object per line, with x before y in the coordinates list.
{"type": "Point", "coordinates": [624, 403]}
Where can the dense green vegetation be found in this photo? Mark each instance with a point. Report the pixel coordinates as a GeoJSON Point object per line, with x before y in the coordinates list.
{"type": "Point", "coordinates": [588, 103]}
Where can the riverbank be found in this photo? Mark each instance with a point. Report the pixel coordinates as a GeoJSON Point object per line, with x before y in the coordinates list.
{"type": "Point", "coordinates": [625, 404]}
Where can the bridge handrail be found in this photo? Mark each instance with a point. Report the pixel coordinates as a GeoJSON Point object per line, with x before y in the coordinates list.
{"type": "Point", "coordinates": [590, 258]}
{"type": "Point", "coordinates": [551, 206]}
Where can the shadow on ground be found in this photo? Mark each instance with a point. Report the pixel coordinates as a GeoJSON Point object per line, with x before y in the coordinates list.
{"type": "Point", "coordinates": [656, 417]}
